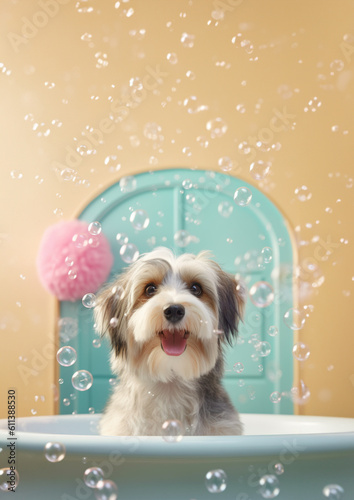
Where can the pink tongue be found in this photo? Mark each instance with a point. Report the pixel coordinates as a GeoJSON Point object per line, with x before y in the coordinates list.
{"type": "Point", "coordinates": [173, 343]}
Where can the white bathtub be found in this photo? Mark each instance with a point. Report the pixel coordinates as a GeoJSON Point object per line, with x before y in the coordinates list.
{"type": "Point", "coordinates": [314, 452]}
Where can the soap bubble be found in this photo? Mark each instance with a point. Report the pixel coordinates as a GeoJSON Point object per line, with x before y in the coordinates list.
{"type": "Point", "coordinates": [294, 319]}
{"type": "Point", "coordinates": [263, 348]}
{"type": "Point", "coordinates": [66, 402]}
{"type": "Point", "coordinates": [249, 262]}
{"type": "Point", "coordinates": [275, 397]}
{"type": "Point", "coordinates": [217, 127]}
{"type": "Point", "coordinates": [80, 240]}
{"type": "Point", "coordinates": [96, 343]}
{"type": "Point", "coordinates": [111, 161]}
{"type": "Point", "coordinates": [225, 208]}
{"type": "Point", "coordinates": [269, 486]}
{"type": "Point", "coordinates": [89, 300]}
{"type": "Point", "coordinates": [86, 37]}
{"type": "Point", "coordinates": [241, 108]}
{"type": "Point", "coordinates": [68, 174]}
{"type": "Point", "coordinates": [113, 322]}
{"type": "Point", "coordinates": [187, 40]}
{"type": "Point", "coordinates": [82, 380]}
{"type": "Point", "coordinates": [101, 60]}
{"type": "Point", "coordinates": [218, 14]}
{"type": "Point", "coordinates": [242, 196]}
{"type": "Point", "coordinates": [279, 468]}
{"type": "Point", "coordinates": [273, 331]}
{"type": "Point", "coordinates": [190, 198]}
{"type": "Point", "coordinates": [72, 274]}
{"type": "Point", "coordinates": [260, 169]}
{"type": "Point", "coordinates": [94, 228]}
{"type": "Point", "coordinates": [122, 238]}
{"type": "Point", "coordinates": [69, 261]}
{"type": "Point", "coordinates": [172, 58]}
{"type": "Point", "coordinates": [267, 254]}
{"type": "Point", "coordinates": [225, 163]}
{"type": "Point", "coordinates": [337, 65]}
{"type": "Point", "coordinates": [244, 148]}
{"type": "Point", "coordinates": [129, 253]}
{"type": "Point", "coordinates": [66, 356]}
{"type": "Point", "coordinates": [202, 141]}
{"type": "Point", "coordinates": [16, 174]}
{"type": "Point", "coordinates": [313, 105]}
{"type": "Point", "coordinates": [193, 106]}
{"type": "Point", "coordinates": [152, 131]}
{"type": "Point", "coordinates": [139, 219]}
{"type": "Point", "coordinates": [182, 238]}
{"type": "Point", "coordinates": [172, 431]}
{"type": "Point", "coordinates": [127, 184]}
{"type": "Point", "coordinates": [303, 193]}
{"type": "Point", "coordinates": [216, 481]}
{"type": "Point", "coordinates": [54, 452]}
{"type": "Point", "coordinates": [247, 45]}
{"type": "Point", "coordinates": [106, 490]}
{"type": "Point", "coordinates": [301, 351]}
{"type": "Point", "coordinates": [190, 74]}
{"type": "Point", "coordinates": [238, 367]}
{"type": "Point", "coordinates": [333, 491]}
{"type": "Point", "coordinates": [261, 294]}
{"type": "Point", "coordinates": [68, 329]}
{"type": "Point", "coordinates": [187, 184]}
{"type": "Point", "coordinates": [300, 393]}
{"type": "Point", "coordinates": [94, 241]}
{"type": "Point", "coordinates": [236, 40]}
{"type": "Point", "coordinates": [7, 475]}
{"type": "Point", "coordinates": [92, 476]}
{"type": "Point", "coordinates": [83, 6]}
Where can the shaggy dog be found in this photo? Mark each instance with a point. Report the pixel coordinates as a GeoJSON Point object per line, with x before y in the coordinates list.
{"type": "Point", "coordinates": [168, 319]}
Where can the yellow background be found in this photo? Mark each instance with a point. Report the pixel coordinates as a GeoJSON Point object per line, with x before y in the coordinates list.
{"type": "Point", "coordinates": [287, 54]}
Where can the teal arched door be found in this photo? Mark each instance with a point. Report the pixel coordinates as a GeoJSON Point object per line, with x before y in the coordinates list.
{"type": "Point", "coordinates": [190, 211]}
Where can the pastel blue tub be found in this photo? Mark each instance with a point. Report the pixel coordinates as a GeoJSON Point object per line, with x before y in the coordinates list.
{"type": "Point", "coordinates": [313, 451]}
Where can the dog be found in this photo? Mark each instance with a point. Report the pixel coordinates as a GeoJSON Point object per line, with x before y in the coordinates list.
{"type": "Point", "coordinates": [168, 319]}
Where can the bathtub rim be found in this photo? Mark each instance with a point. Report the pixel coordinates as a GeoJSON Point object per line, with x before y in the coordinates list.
{"type": "Point", "coordinates": [191, 446]}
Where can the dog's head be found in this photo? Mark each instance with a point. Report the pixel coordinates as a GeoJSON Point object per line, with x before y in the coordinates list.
{"type": "Point", "coordinates": [167, 316]}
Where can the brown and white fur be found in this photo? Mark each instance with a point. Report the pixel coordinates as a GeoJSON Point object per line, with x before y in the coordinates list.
{"type": "Point", "coordinates": [168, 319]}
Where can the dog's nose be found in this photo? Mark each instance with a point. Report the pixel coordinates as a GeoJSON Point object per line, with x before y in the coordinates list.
{"type": "Point", "coordinates": [174, 312]}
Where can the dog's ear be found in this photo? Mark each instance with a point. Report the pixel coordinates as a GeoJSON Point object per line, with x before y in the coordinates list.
{"type": "Point", "coordinates": [232, 300]}
{"type": "Point", "coordinates": [111, 314]}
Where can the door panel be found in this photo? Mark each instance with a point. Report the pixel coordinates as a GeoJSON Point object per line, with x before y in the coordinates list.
{"type": "Point", "coordinates": [190, 211]}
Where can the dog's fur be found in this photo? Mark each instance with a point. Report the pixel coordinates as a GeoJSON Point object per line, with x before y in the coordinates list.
{"type": "Point", "coordinates": [185, 383]}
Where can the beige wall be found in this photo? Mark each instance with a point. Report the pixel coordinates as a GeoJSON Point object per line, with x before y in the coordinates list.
{"type": "Point", "coordinates": [293, 60]}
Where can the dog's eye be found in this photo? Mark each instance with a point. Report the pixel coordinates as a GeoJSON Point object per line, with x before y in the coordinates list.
{"type": "Point", "coordinates": [150, 289]}
{"type": "Point", "coordinates": [196, 289]}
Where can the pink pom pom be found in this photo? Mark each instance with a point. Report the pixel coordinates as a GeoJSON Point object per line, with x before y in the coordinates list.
{"type": "Point", "coordinates": [71, 261]}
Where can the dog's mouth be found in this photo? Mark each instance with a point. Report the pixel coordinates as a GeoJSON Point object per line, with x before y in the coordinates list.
{"type": "Point", "coordinates": [174, 342]}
